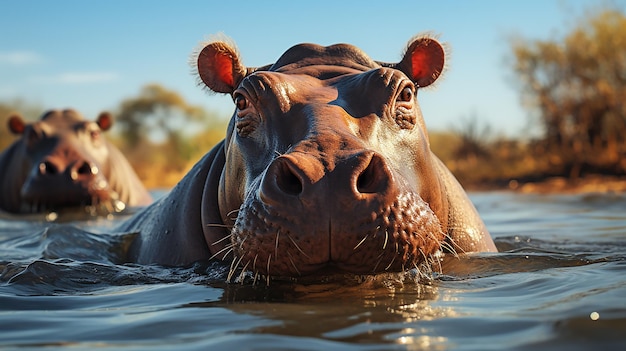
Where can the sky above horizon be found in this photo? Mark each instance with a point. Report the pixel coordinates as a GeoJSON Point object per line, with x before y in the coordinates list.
{"type": "Point", "coordinates": [91, 55]}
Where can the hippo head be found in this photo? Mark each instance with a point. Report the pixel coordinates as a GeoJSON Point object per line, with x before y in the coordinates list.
{"type": "Point", "coordinates": [60, 161]}
{"type": "Point", "coordinates": [327, 161]}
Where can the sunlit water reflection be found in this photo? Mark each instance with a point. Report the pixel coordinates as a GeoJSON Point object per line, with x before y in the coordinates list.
{"type": "Point", "coordinates": [558, 282]}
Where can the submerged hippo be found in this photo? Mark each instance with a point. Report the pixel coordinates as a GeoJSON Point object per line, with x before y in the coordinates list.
{"type": "Point", "coordinates": [62, 161]}
{"type": "Point", "coordinates": [326, 167]}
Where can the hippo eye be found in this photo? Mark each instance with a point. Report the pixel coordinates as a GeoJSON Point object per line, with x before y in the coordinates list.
{"type": "Point", "coordinates": [404, 112]}
{"type": "Point", "coordinates": [241, 102]}
{"type": "Point", "coordinates": [406, 95]}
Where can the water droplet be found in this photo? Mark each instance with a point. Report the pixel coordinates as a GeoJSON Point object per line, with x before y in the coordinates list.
{"type": "Point", "coordinates": [119, 206]}
{"type": "Point", "coordinates": [52, 216]}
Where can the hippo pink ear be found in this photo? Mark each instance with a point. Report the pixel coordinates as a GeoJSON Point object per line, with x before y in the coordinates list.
{"type": "Point", "coordinates": [219, 67]}
{"type": "Point", "coordinates": [105, 121]}
{"type": "Point", "coordinates": [16, 124]}
{"type": "Point", "coordinates": [423, 61]}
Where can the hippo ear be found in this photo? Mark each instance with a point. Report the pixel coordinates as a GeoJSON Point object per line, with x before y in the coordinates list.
{"type": "Point", "coordinates": [423, 61]}
{"type": "Point", "coordinates": [219, 67]}
{"type": "Point", "coordinates": [105, 121]}
{"type": "Point", "coordinates": [16, 124]}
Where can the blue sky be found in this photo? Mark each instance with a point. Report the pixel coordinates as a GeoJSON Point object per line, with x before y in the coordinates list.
{"type": "Point", "coordinates": [90, 55]}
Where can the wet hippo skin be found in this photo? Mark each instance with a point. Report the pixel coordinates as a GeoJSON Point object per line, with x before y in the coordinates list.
{"type": "Point", "coordinates": [326, 167]}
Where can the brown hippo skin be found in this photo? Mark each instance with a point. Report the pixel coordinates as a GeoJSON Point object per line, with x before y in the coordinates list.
{"type": "Point", "coordinates": [62, 161]}
{"type": "Point", "coordinates": [326, 167]}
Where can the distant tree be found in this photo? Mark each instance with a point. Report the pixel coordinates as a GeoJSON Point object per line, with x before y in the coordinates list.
{"type": "Point", "coordinates": [474, 140]}
{"type": "Point", "coordinates": [577, 86]}
{"type": "Point", "coordinates": [156, 113]}
{"type": "Point", "coordinates": [159, 132]}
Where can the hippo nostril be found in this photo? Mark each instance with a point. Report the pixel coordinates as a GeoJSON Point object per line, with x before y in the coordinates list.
{"type": "Point", "coordinates": [365, 181]}
{"type": "Point", "coordinates": [48, 167]}
{"type": "Point", "coordinates": [373, 179]}
{"type": "Point", "coordinates": [84, 168]}
{"type": "Point", "coordinates": [287, 181]}
{"type": "Point", "coordinates": [83, 171]}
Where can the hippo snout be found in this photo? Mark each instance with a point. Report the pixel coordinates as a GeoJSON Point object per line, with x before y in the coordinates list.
{"type": "Point", "coordinates": [298, 178]}
{"type": "Point", "coordinates": [348, 214]}
{"type": "Point", "coordinates": [65, 167]}
{"type": "Point", "coordinates": [64, 178]}
{"type": "Point", "coordinates": [75, 171]}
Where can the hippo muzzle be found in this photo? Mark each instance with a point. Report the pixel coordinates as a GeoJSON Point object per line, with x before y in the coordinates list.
{"type": "Point", "coordinates": [64, 178]}
{"type": "Point", "coordinates": [356, 219]}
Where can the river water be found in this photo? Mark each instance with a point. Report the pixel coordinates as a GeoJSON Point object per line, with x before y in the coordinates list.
{"type": "Point", "coordinates": [559, 282]}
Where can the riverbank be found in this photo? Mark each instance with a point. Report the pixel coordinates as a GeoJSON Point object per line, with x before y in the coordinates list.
{"type": "Point", "coordinates": [586, 184]}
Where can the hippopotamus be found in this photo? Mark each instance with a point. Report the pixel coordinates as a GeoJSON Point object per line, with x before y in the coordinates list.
{"type": "Point", "coordinates": [62, 162]}
{"type": "Point", "coordinates": [325, 168]}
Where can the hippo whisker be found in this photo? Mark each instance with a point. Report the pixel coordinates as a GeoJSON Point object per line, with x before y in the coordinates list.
{"type": "Point", "coordinates": [242, 242]}
{"type": "Point", "coordinates": [453, 246]}
{"type": "Point", "coordinates": [423, 254]}
{"type": "Point", "coordinates": [267, 279]}
{"type": "Point", "coordinates": [229, 249]}
{"type": "Point", "coordinates": [393, 258]}
{"type": "Point", "coordinates": [233, 212]}
{"type": "Point", "coordinates": [445, 246]}
{"type": "Point", "coordinates": [386, 239]}
{"type": "Point", "coordinates": [254, 262]}
{"type": "Point", "coordinates": [419, 236]}
{"type": "Point", "coordinates": [276, 247]}
{"type": "Point", "coordinates": [219, 225]}
{"type": "Point", "coordinates": [233, 268]}
{"type": "Point", "coordinates": [242, 275]}
{"type": "Point", "coordinates": [293, 264]}
{"type": "Point", "coordinates": [361, 242]}
{"type": "Point", "coordinates": [430, 262]}
{"type": "Point", "coordinates": [278, 153]}
{"type": "Point", "coordinates": [417, 269]}
{"type": "Point", "coordinates": [298, 247]}
{"type": "Point", "coordinates": [380, 258]}
{"type": "Point", "coordinates": [226, 238]}
{"type": "Point", "coordinates": [456, 246]}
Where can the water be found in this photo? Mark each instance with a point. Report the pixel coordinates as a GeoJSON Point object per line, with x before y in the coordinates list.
{"type": "Point", "coordinates": [559, 282]}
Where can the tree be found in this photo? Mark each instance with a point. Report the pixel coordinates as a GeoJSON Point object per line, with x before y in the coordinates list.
{"type": "Point", "coordinates": [156, 114]}
{"type": "Point", "coordinates": [577, 86]}
{"type": "Point", "coordinates": [158, 132]}
{"type": "Point", "coordinates": [474, 140]}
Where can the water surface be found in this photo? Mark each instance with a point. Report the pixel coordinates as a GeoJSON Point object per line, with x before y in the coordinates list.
{"type": "Point", "coordinates": [559, 282]}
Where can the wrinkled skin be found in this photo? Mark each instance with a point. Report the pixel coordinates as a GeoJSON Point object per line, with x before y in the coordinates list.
{"type": "Point", "coordinates": [326, 167]}
{"type": "Point", "coordinates": [63, 162]}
